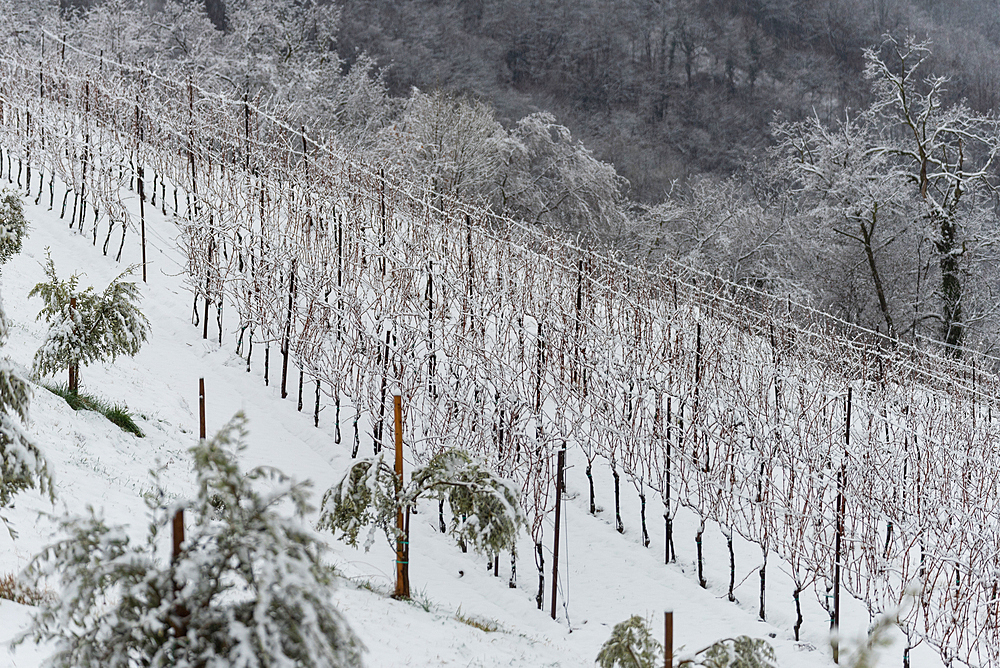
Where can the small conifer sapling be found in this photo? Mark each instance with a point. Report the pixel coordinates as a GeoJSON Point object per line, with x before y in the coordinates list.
{"type": "Point", "coordinates": [631, 645]}
{"type": "Point", "coordinates": [86, 326]}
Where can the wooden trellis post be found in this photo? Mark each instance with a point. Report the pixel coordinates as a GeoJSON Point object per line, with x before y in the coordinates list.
{"type": "Point", "coordinates": [287, 342]}
{"type": "Point", "coordinates": [561, 462]}
{"type": "Point", "coordinates": [838, 540]}
{"type": "Point", "coordinates": [668, 639]}
{"type": "Point", "coordinates": [141, 186]}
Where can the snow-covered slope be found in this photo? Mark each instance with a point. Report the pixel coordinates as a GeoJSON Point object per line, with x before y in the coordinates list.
{"type": "Point", "coordinates": [604, 577]}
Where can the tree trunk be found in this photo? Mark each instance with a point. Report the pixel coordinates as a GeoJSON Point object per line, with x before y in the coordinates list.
{"type": "Point", "coordinates": [642, 512]}
{"type": "Point", "coordinates": [590, 480]}
{"type": "Point", "coordinates": [204, 331]}
{"type": "Point", "coordinates": [619, 527]}
{"type": "Point", "coordinates": [953, 330]}
{"type": "Point", "coordinates": [218, 309]}
{"type": "Point", "coordinates": [316, 411]}
{"type": "Point", "coordinates": [668, 537]}
{"type": "Point", "coordinates": [701, 564]}
{"type": "Point", "coordinates": [866, 237]}
{"type": "Point", "coordinates": [798, 610]}
{"type": "Point", "coordinates": [302, 375]}
{"type": "Point", "coordinates": [763, 576]}
{"type": "Point", "coordinates": [336, 417]}
{"type": "Point", "coordinates": [540, 563]}
{"type": "Point", "coordinates": [381, 415]}
{"type": "Point", "coordinates": [732, 566]}
{"type": "Point", "coordinates": [357, 436]}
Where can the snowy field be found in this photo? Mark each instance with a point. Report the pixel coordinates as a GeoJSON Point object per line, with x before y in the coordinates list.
{"type": "Point", "coordinates": [604, 577]}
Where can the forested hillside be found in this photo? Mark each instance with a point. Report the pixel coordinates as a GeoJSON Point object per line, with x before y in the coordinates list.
{"type": "Point", "coordinates": [666, 89]}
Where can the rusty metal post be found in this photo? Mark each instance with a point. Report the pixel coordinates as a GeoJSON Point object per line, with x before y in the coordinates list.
{"type": "Point", "coordinates": [178, 621]}
{"type": "Point", "coordinates": [142, 220]}
{"type": "Point", "coordinates": [178, 525]}
{"type": "Point", "coordinates": [178, 534]}
{"type": "Point", "coordinates": [201, 408]}
{"type": "Point", "coordinates": [403, 538]}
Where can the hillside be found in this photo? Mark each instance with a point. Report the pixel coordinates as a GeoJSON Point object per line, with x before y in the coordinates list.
{"type": "Point", "coordinates": [728, 409]}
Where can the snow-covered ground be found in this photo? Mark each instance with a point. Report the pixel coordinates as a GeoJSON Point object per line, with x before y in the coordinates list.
{"type": "Point", "coordinates": [604, 577]}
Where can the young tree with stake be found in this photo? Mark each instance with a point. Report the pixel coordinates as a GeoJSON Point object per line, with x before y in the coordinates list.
{"type": "Point", "coordinates": [485, 509]}
{"type": "Point", "coordinates": [632, 645]}
{"type": "Point", "coordinates": [248, 584]}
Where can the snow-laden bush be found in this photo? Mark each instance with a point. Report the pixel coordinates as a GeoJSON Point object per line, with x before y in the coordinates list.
{"type": "Point", "coordinates": [631, 645]}
{"type": "Point", "coordinates": [248, 588]}
{"type": "Point", "coordinates": [13, 225]}
{"type": "Point", "coordinates": [99, 327]}
{"type": "Point", "coordinates": [22, 465]}
{"type": "Point", "coordinates": [485, 509]}
{"type": "Point", "coordinates": [738, 652]}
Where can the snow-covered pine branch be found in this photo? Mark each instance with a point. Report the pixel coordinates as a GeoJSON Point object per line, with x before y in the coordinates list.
{"type": "Point", "coordinates": [485, 507]}
{"type": "Point", "coordinates": [22, 465]}
{"type": "Point", "coordinates": [486, 510]}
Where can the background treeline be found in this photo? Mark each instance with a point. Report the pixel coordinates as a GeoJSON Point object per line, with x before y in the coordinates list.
{"type": "Point", "coordinates": [661, 89]}
{"type": "Point", "coordinates": [664, 89]}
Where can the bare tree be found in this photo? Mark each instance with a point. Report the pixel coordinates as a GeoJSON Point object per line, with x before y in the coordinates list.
{"type": "Point", "coordinates": [948, 154]}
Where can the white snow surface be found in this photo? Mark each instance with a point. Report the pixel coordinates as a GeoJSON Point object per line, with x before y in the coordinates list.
{"type": "Point", "coordinates": [604, 577]}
